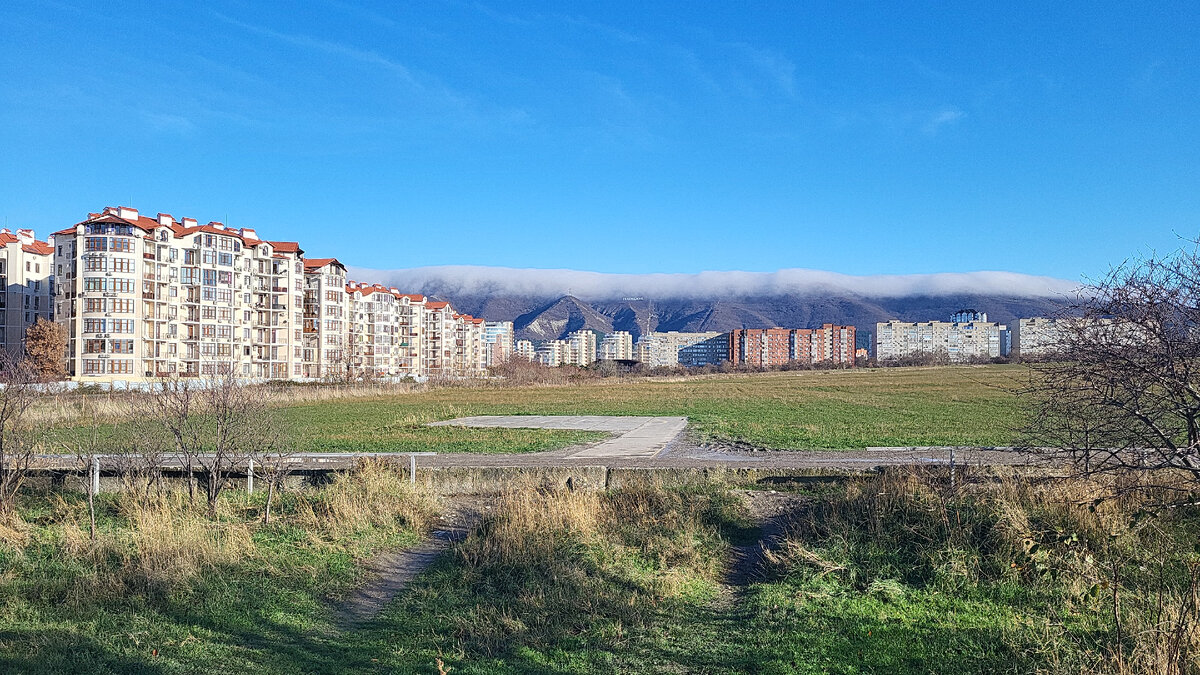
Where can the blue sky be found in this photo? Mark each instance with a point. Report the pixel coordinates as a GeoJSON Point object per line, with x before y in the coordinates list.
{"type": "Point", "coordinates": [862, 138]}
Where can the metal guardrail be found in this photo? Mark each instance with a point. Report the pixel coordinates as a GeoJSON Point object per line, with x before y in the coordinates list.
{"type": "Point", "coordinates": [299, 460]}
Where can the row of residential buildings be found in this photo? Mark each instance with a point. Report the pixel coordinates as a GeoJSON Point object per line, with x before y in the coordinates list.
{"type": "Point", "coordinates": [969, 335]}
{"type": "Point", "coordinates": [143, 297]}
{"type": "Point", "coordinates": [763, 347]}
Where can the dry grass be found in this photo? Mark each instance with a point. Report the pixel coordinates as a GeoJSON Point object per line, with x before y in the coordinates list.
{"type": "Point", "coordinates": [376, 494]}
{"type": "Point", "coordinates": [1116, 567]}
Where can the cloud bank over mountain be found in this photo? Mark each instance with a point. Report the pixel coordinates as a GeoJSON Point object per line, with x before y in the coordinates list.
{"type": "Point", "coordinates": [471, 280]}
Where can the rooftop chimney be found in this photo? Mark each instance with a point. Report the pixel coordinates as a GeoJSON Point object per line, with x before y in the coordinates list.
{"type": "Point", "coordinates": [25, 236]}
{"type": "Point", "coordinates": [165, 219]}
{"type": "Point", "coordinates": [189, 222]}
{"type": "Point", "coordinates": [127, 213]}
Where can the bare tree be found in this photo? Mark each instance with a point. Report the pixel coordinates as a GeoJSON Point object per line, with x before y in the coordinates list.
{"type": "Point", "coordinates": [18, 434]}
{"type": "Point", "coordinates": [1124, 393]}
{"type": "Point", "coordinates": [269, 446]}
{"type": "Point", "coordinates": [174, 406]}
{"type": "Point", "coordinates": [88, 442]}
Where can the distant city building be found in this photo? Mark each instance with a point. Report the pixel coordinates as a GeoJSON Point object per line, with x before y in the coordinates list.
{"type": "Point", "coordinates": [497, 342]}
{"type": "Point", "coordinates": [968, 316]}
{"type": "Point", "coordinates": [617, 346]}
{"type": "Point", "coordinates": [958, 341]}
{"type": "Point", "coordinates": [552, 353]}
{"type": "Point", "coordinates": [581, 348]}
{"type": "Point", "coordinates": [525, 350]}
{"type": "Point", "coordinates": [656, 350]}
{"type": "Point", "coordinates": [26, 286]}
{"type": "Point", "coordinates": [711, 352]}
{"type": "Point", "coordinates": [765, 347]}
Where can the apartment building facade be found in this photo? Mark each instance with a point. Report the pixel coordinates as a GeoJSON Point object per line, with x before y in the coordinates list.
{"type": "Point", "coordinates": [145, 297]}
{"type": "Point", "coordinates": [148, 297]}
{"type": "Point", "coordinates": [26, 286]}
{"type": "Point", "coordinates": [956, 341]}
{"type": "Point", "coordinates": [581, 348]}
{"type": "Point", "coordinates": [656, 349]}
{"type": "Point", "coordinates": [616, 346]}
{"type": "Point", "coordinates": [767, 347]}
{"type": "Point", "coordinates": [325, 331]}
{"type": "Point", "coordinates": [497, 342]}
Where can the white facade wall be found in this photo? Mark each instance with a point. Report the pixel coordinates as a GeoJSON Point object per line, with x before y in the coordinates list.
{"type": "Point", "coordinates": [26, 286]}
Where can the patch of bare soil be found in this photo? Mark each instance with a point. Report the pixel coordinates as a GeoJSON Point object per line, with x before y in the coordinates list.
{"type": "Point", "coordinates": [388, 574]}
{"type": "Point", "coordinates": [771, 512]}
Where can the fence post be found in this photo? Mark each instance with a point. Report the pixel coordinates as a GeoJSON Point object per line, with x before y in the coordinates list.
{"type": "Point", "coordinates": [412, 469]}
{"type": "Point", "coordinates": [250, 478]}
{"type": "Point", "coordinates": [952, 467]}
{"type": "Point", "coordinates": [95, 475]}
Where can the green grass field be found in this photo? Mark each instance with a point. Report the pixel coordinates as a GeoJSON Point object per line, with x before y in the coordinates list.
{"type": "Point", "coordinates": [878, 575]}
{"type": "Point", "coordinates": [790, 410]}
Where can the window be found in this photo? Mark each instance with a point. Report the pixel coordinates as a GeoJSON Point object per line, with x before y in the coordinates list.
{"type": "Point", "coordinates": [122, 265]}
{"type": "Point", "coordinates": [95, 244]}
{"type": "Point", "coordinates": [225, 259]}
{"type": "Point", "coordinates": [121, 245]}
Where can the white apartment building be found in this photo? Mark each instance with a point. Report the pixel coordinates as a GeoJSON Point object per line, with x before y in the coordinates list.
{"type": "Point", "coordinates": [958, 341]}
{"type": "Point", "coordinates": [437, 349]}
{"type": "Point", "coordinates": [553, 353]}
{"type": "Point", "coordinates": [325, 309]}
{"type": "Point", "coordinates": [26, 286]}
{"type": "Point", "coordinates": [525, 350]}
{"type": "Point", "coordinates": [146, 297]}
{"type": "Point", "coordinates": [154, 297]}
{"type": "Point", "coordinates": [497, 342]}
{"type": "Point", "coordinates": [616, 346]}
{"type": "Point", "coordinates": [662, 349]}
{"type": "Point", "coordinates": [470, 358]}
{"type": "Point", "coordinates": [581, 348]}
{"type": "Point", "coordinates": [1037, 336]}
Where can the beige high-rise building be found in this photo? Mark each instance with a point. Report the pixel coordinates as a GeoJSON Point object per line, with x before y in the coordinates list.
{"type": "Point", "coordinates": [956, 341]}
{"type": "Point", "coordinates": [525, 350]}
{"type": "Point", "coordinates": [616, 346]}
{"type": "Point", "coordinates": [325, 328]}
{"type": "Point", "coordinates": [553, 353]}
{"type": "Point", "coordinates": [156, 297]}
{"type": "Point", "coordinates": [26, 286]}
{"type": "Point", "coordinates": [581, 348]}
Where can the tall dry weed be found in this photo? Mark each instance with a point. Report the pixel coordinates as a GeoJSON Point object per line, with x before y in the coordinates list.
{"type": "Point", "coordinates": [376, 494]}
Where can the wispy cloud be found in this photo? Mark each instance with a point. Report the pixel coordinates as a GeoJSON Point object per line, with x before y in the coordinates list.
{"type": "Point", "coordinates": [466, 280]}
{"type": "Point", "coordinates": [329, 47]}
{"type": "Point", "coordinates": [942, 118]}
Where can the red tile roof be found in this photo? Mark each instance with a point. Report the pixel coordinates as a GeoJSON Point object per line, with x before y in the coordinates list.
{"type": "Point", "coordinates": [285, 246]}
{"type": "Point", "coordinates": [436, 305]}
{"type": "Point", "coordinates": [318, 263]}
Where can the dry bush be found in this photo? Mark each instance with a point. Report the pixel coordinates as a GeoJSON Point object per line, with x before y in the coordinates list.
{"type": "Point", "coordinates": [376, 494]}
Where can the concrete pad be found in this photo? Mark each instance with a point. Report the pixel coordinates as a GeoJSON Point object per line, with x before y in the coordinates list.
{"type": "Point", "coordinates": [638, 436]}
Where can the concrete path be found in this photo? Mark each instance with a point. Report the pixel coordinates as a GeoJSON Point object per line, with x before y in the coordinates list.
{"type": "Point", "coordinates": [635, 436]}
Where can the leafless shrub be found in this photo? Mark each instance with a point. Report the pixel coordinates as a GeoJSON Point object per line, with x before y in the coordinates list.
{"type": "Point", "coordinates": [1125, 395]}
{"type": "Point", "coordinates": [18, 435]}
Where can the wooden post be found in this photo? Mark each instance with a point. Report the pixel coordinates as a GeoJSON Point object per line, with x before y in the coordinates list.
{"type": "Point", "coordinates": [412, 469]}
{"type": "Point", "coordinates": [250, 478]}
{"type": "Point", "coordinates": [952, 467]}
{"type": "Point", "coordinates": [95, 475]}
